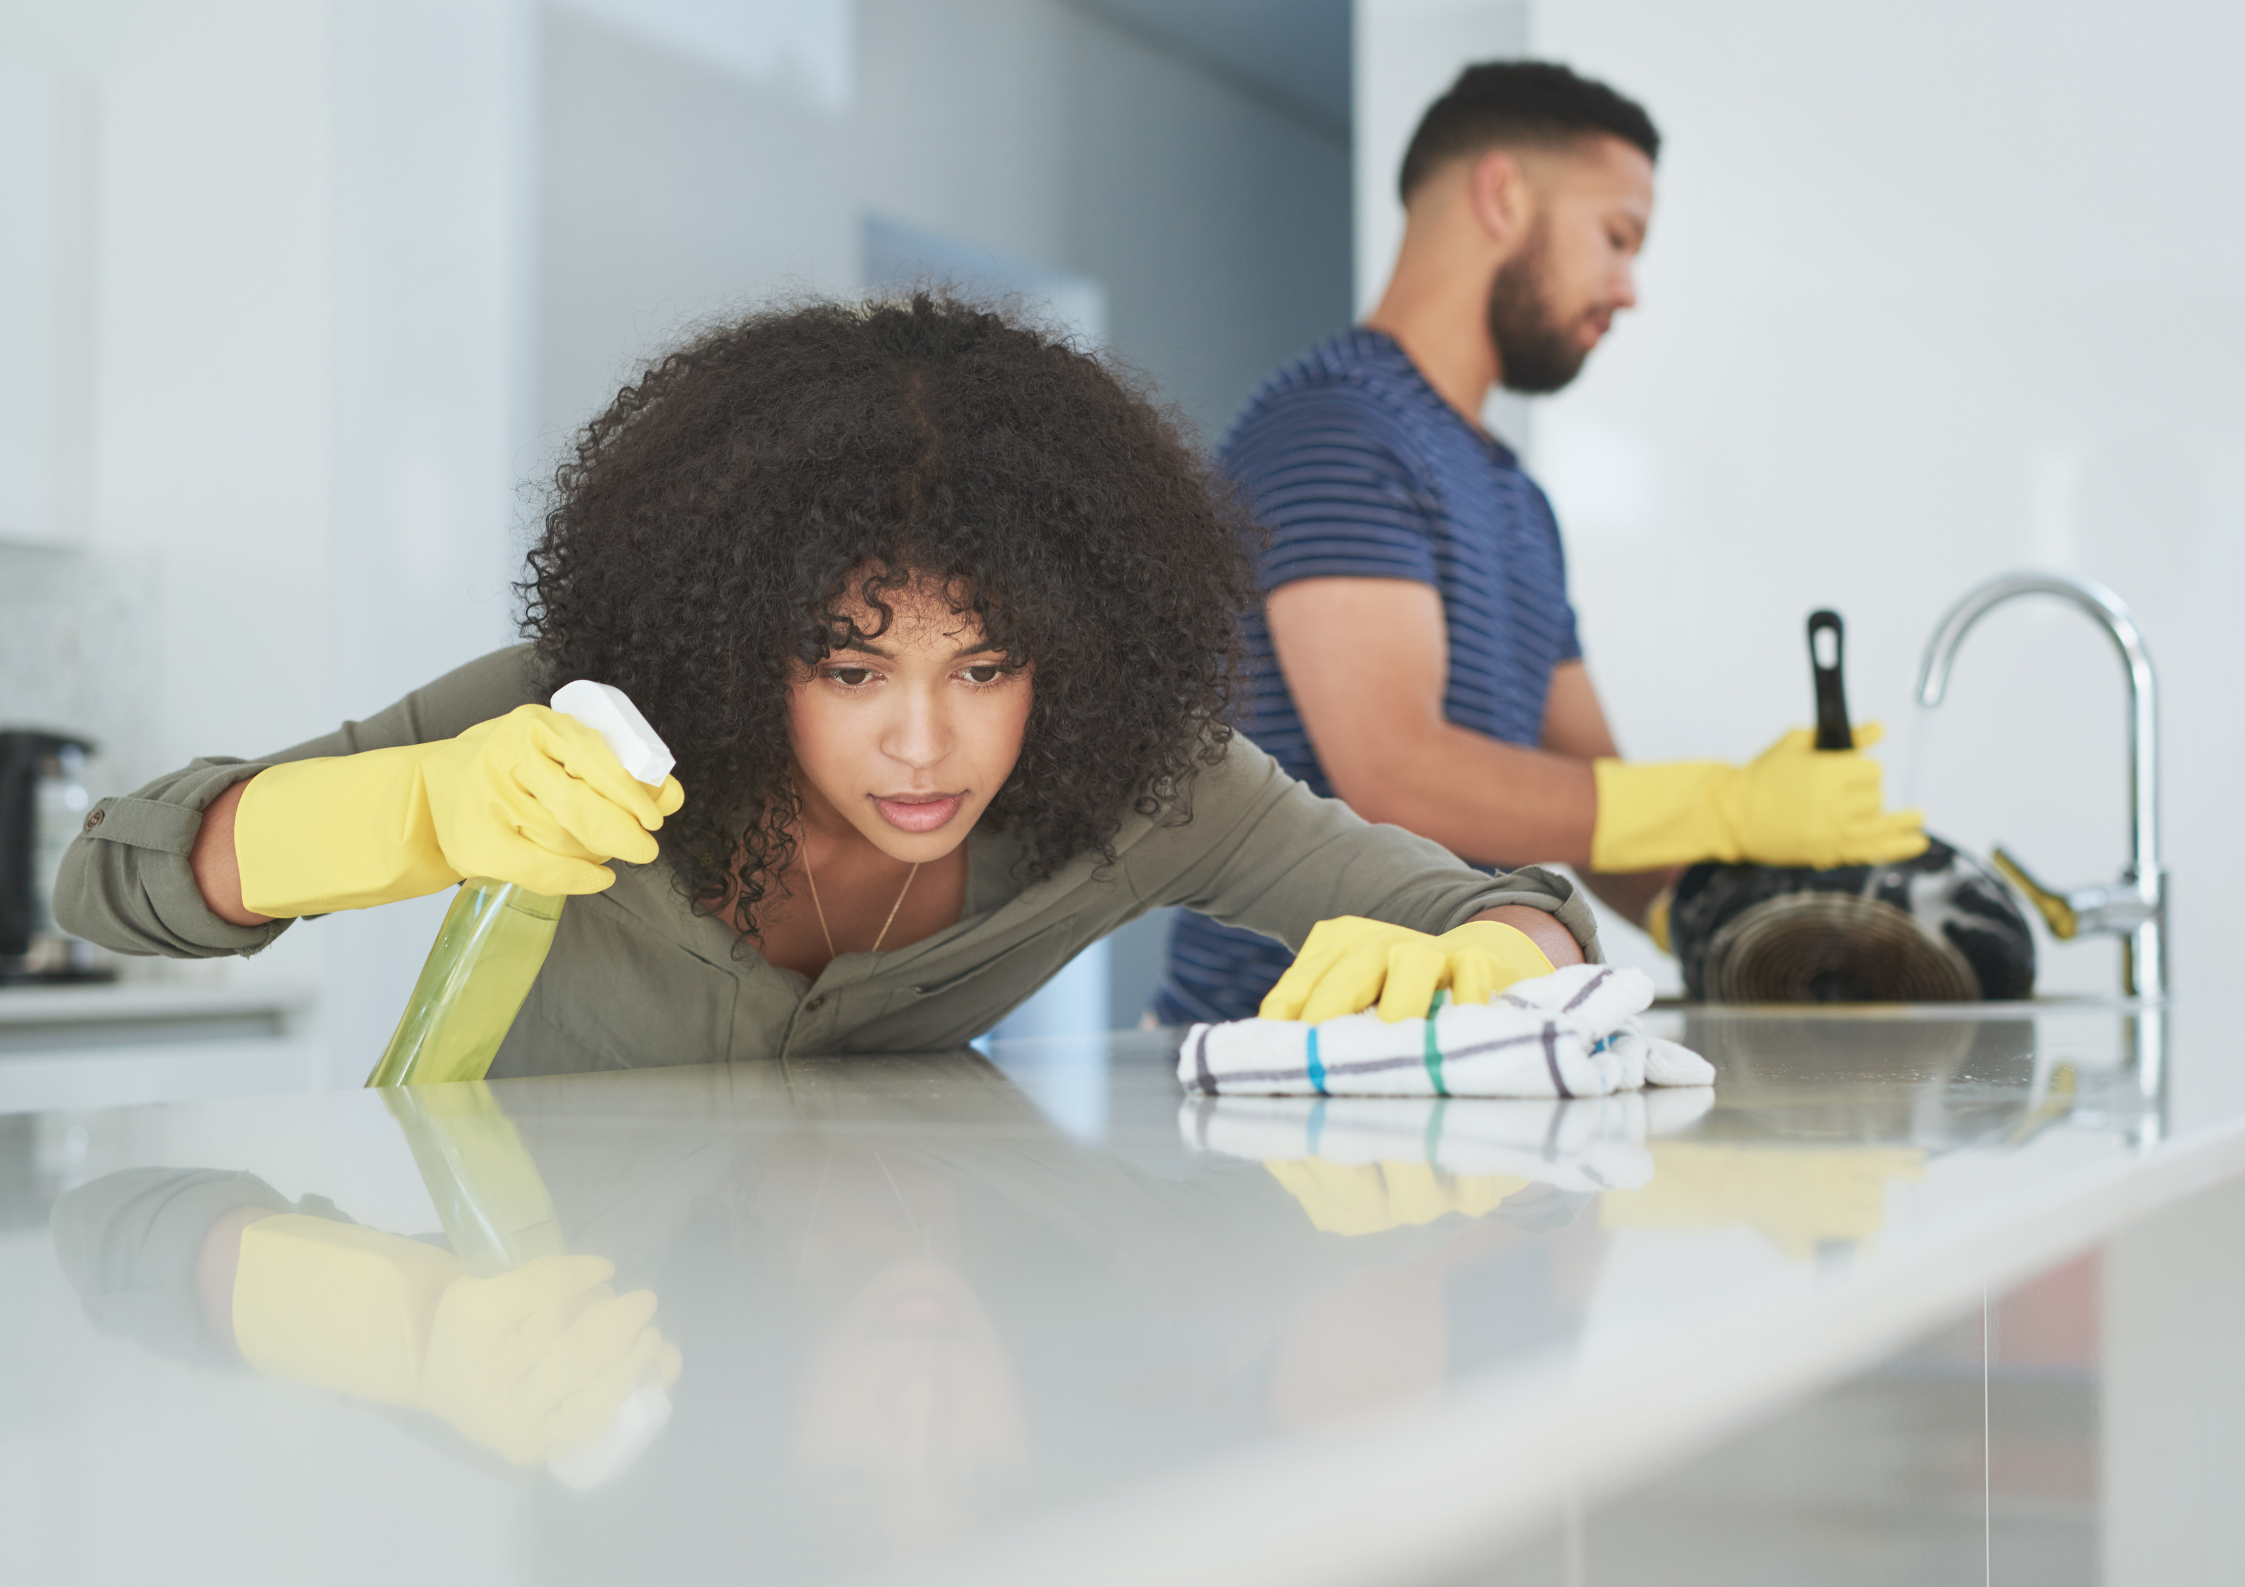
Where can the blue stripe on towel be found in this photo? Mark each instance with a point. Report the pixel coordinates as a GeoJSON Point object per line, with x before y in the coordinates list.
{"type": "Point", "coordinates": [1317, 1069]}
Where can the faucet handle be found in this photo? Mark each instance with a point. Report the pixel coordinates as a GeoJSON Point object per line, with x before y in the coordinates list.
{"type": "Point", "coordinates": [2118, 908]}
{"type": "Point", "coordinates": [2056, 910]}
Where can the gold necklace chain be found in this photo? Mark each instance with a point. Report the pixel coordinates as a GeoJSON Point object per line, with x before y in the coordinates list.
{"type": "Point", "coordinates": [812, 877]}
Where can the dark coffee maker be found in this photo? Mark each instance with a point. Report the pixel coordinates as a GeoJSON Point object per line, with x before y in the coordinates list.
{"type": "Point", "coordinates": [43, 801]}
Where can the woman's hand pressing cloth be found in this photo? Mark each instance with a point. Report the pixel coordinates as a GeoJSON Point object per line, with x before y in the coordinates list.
{"type": "Point", "coordinates": [533, 797]}
{"type": "Point", "coordinates": [1350, 964]}
{"type": "Point", "coordinates": [1572, 1033]}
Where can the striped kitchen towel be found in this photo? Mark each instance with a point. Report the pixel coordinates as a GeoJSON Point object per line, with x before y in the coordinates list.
{"type": "Point", "coordinates": [1573, 1033]}
{"type": "Point", "coordinates": [1595, 1144]}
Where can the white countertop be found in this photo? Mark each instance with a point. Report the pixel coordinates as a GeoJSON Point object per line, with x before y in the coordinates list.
{"type": "Point", "coordinates": [942, 1324]}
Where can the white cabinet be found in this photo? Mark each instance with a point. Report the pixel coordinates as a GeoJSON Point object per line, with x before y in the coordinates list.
{"type": "Point", "coordinates": [129, 1044]}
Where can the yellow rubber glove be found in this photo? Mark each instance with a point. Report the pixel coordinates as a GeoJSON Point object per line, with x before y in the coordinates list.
{"type": "Point", "coordinates": [531, 1363]}
{"type": "Point", "coordinates": [1793, 805]}
{"type": "Point", "coordinates": [1349, 963]}
{"type": "Point", "coordinates": [538, 1361]}
{"type": "Point", "coordinates": [533, 797]}
{"type": "Point", "coordinates": [338, 1306]}
{"type": "Point", "coordinates": [1798, 1197]}
{"type": "Point", "coordinates": [1658, 914]}
{"type": "Point", "coordinates": [1366, 1198]}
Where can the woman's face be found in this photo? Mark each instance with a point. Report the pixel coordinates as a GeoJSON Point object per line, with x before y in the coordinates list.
{"type": "Point", "coordinates": [909, 736]}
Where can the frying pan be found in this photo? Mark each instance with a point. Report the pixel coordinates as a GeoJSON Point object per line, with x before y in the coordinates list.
{"type": "Point", "coordinates": [1940, 928]}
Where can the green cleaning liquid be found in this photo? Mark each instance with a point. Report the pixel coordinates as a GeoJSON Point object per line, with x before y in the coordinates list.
{"type": "Point", "coordinates": [495, 935]}
{"type": "Point", "coordinates": [489, 950]}
{"type": "Point", "coordinates": [498, 1214]}
{"type": "Point", "coordinates": [488, 1193]}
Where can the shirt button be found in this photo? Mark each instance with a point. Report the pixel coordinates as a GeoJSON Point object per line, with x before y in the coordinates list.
{"type": "Point", "coordinates": [815, 1002]}
{"type": "Point", "coordinates": [94, 820]}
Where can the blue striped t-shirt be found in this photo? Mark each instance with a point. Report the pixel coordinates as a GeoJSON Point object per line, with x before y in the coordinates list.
{"type": "Point", "coordinates": [1360, 470]}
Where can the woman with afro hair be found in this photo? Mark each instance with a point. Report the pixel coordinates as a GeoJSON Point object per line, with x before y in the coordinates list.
{"type": "Point", "coordinates": [937, 614]}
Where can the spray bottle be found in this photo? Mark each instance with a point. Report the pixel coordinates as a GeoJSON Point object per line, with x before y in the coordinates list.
{"type": "Point", "coordinates": [498, 1214]}
{"type": "Point", "coordinates": [496, 934]}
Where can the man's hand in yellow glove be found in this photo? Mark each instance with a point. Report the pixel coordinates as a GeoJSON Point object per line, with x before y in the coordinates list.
{"type": "Point", "coordinates": [1794, 805]}
{"type": "Point", "coordinates": [1350, 963]}
{"type": "Point", "coordinates": [533, 797]}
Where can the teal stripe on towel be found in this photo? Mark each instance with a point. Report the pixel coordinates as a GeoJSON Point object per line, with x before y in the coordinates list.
{"type": "Point", "coordinates": [1317, 1069]}
{"type": "Point", "coordinates": [1434, 1060]}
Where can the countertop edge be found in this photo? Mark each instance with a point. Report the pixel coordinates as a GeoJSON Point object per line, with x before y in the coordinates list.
{"type": "Point", "coordinates": [1420, 1496]}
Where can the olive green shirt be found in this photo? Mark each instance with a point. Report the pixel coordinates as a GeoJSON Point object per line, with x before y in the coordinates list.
{"type": "Point", "coordinates": [637, 979]}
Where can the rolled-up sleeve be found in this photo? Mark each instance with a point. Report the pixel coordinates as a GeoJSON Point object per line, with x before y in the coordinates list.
{"type": "Point", "coordinates": [129, 1243]}
{"type": "Point", "coordinates": [1264, 853]}
{"type": "Point", "coordinates": [126, 882]}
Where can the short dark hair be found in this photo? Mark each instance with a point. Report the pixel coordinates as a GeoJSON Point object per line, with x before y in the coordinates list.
{"type": "Point", "coordinates": [1531, 102]}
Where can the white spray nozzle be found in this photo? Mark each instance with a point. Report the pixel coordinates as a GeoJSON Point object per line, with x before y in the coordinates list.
{"type": "Point", "coordinates": [637, 1422]}
{"type": "Point", "coordinates": [610, 713]}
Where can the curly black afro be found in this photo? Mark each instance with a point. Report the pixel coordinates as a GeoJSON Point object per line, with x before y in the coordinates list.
{"type": "Point", "coordinates": [712, 525]}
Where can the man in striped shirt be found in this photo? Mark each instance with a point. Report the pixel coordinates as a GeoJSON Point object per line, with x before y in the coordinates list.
{"type": "Point", "coordinates": [1417, 653]}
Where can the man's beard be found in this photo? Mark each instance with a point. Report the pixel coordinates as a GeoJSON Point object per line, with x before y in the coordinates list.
{"type": "Point", "coordinates": [1537, 353]}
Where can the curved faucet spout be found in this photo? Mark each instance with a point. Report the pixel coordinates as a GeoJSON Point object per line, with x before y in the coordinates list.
{"type": "Point", "coordinates": [2146, 880]}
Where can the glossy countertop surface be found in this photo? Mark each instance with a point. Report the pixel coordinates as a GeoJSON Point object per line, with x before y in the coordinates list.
{"type": "Point", "coordinates": [1036, 1315]}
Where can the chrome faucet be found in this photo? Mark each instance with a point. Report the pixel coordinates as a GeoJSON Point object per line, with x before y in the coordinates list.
{"type": "Point", "coordinates": [2135, 907]}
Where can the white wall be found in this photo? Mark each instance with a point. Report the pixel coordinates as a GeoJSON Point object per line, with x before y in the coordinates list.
{"type": "Point", "coordinates": [683, 181]}
{"type": "Point", "coordinates": [46, 237]}
{"type": "Point", "coordinates": [360, 266]}
{"type": "Point", "coordinates": [1934, 291]}
{"type": "Point", "coordinates": [1406, 53]}
{"type": "Point", "coordinates": [434, 123]}
{"type": "Point", "coordinates": [307, 313]}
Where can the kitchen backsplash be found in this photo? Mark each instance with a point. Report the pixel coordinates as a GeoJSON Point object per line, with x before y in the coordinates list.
{"type": "Point", "coordinates": [78, 648]}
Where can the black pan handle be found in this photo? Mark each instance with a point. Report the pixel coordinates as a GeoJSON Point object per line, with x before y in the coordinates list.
{"type": "Point", "coordinates": [1825, 656]}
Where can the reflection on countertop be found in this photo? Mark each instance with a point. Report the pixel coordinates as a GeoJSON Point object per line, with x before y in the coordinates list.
{"type": "Point", "coordinates": [930, 1313]}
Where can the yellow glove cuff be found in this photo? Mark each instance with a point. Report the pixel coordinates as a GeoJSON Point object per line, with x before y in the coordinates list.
{"type": "Point", "coordinates": [338, 1306]}
{"type": "Point", "coordinates": [1666, 813]}
{"type": "Point", "coordinates": [343, 832]}
{"type": "Point", "coordinates": [1511, 955]}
